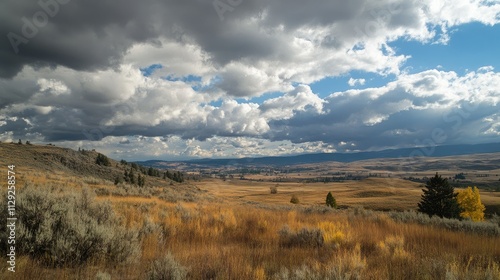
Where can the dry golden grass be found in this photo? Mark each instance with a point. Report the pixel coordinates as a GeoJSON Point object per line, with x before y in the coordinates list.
{"type": "Point", "coordinates": [372, 193]}
{"type": "Point", "coordinates": [221, 241]}
{"type": "Point", "coordinates": [234, 239]}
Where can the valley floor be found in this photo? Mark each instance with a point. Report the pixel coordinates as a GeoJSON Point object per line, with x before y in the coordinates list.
{"type": "Point", "coordinates": [82, 227]}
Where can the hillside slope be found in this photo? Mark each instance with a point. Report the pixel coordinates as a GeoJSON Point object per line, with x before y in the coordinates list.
{"type": "Point", "coordinates": [48, 165]}
{"type": "Point", "coordinates": [51, 159]}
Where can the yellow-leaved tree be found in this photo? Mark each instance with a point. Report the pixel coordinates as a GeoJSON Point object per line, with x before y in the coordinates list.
{"type": "Point", "coordinates": [470, 203]}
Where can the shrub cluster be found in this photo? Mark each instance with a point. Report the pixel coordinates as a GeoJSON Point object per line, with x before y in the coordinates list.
{"type": "Point", "coordinates": [295, 199]}
{"type": "Point", "coordinates": [305, 237]}
{"type": "Point", "coordinates": [68, 230]}
{"type": "Point", "coordinates": [345, 266]}
{"type": "Point", "coordinates": [302, 273]}
{"type": "Point", "coordinates": [274, 189]}
{"type": "Point", "coordinates": [483, 228]}
{"type": "Point", "coordinates": [166, 268]}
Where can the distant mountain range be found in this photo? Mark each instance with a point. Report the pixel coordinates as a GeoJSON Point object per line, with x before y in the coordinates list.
{"type": "Point", "coordinates": [437, 151]}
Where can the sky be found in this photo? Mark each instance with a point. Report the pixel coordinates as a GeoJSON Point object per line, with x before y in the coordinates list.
{"type": "Point", "coordinates": [175, 80]}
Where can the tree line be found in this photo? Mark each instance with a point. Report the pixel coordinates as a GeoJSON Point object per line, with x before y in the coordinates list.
{"type": "Point", "coordinates": [136, 174]}
{"type": "Point", "coordinates": [176, 176]}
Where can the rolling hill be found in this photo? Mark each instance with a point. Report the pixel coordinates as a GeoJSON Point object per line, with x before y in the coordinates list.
{"type": "Point", "coordinates": [438, 151]}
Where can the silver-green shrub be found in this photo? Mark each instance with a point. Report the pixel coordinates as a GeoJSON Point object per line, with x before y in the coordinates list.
{"type": "Point", "coordinates": [305, 237]}
{"type": "Point", "coordinates": [166, 268]}
{"type": "Point", "coordinates": [482, 228]}
{"type": "Point", "coordinates": [62, 230]}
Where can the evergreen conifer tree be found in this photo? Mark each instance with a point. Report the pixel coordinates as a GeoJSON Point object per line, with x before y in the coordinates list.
{"type": "Point", "coordinates": [439, 198]}
{"type": "Point", "coordinates": [330, 200]}
{"type": "Point", "coordinates": [131, 177]}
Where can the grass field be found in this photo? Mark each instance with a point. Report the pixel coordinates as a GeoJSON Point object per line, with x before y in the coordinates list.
{"type": "Point", "coordinates": [371, 193]}
{"type": "Point", "coordinates": [229, 241]}
{"type": "Point", "coordinates": [237, 229]}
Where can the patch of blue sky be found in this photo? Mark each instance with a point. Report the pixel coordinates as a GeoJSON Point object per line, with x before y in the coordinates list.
{"type": "Point", "coordinates": [216, 103]}
{"type": "Point", "coordinates": [186, 79]}
{"type": "Point", "coordinates": [260, 99]}
{"type": "Point", "coordinates": [193, 80]}
{"type": "Point", "coordinates": [257, 100]}
{"type": "Point", "coordinates": [329, 85]}
{"type": "Point", "coordinates": [148, 71]}
{"type": "Point", "coordinates": [470, 47]}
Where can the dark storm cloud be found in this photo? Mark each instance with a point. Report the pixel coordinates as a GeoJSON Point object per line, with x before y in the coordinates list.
{"type": "Point", "coordinates": [16, 92]}
{"type": "Point", "coordinates": [296, 13]}
{"type": "Point", "coordinates": [16, 124]}
{"type": "Point", "coordinates": [83, 35]}
{"type": "Point", "coordinates": [90, 35]}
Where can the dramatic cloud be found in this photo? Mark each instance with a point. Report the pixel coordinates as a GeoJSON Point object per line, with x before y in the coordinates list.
{"type": "Point", "coordinates": [237, 81]}
{"type": "Point", "coordinates": [408, 110]}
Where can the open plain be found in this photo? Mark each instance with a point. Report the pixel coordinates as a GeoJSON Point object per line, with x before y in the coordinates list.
{"type": "Point", "coordinates": [233, 227]}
